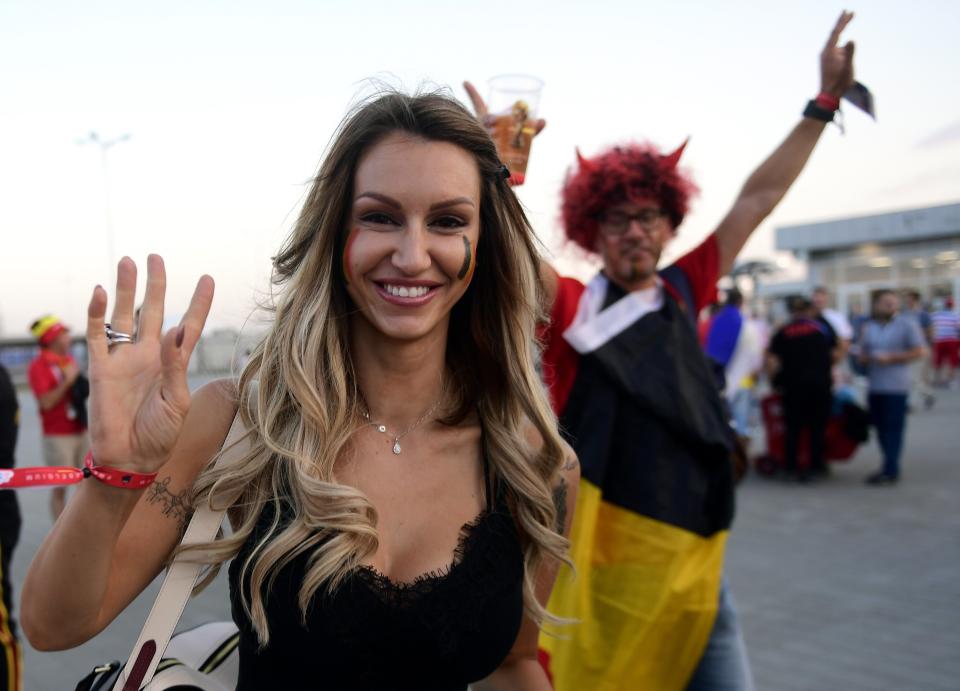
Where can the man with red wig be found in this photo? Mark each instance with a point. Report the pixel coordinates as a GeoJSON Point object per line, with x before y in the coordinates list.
{"type": "Point", "coordinates": [641, 407]}
{"type": "Point", "coordinates": [53, 374]}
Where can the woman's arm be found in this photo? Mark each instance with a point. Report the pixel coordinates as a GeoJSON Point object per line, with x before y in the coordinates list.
{"type": "Point", "coordinates": [521, 670]}
{"type": "Point", "coordinates": [110, 542]}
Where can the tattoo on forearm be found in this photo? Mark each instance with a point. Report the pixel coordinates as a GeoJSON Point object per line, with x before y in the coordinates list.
{"type": "Point", "coordinates": [176, 506]}
{"type": "Point", "coordinates": [560, 503]}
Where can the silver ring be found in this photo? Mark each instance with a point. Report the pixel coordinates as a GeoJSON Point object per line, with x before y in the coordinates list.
{"type": "Point", "coordinates": [116, 337]}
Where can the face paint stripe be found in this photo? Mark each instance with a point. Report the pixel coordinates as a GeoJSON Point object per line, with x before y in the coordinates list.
{"type": "Point", "coordinates": [346, 255]}
{"type": "Point", "coordinates": [467, 259]}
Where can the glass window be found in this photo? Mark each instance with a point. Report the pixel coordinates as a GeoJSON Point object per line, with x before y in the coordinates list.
{"type": "Point", "coordinates": [941, 269]}
{"type": "Point", "coordinates": [864, 273]}
{"type": "Point", "coordinates": [910, 268]}
{"type": "Point", "coordinates": [827, 274]}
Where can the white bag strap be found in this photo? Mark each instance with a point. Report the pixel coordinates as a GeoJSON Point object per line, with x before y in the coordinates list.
{"type": "Point", "coordinates": [178, 583]}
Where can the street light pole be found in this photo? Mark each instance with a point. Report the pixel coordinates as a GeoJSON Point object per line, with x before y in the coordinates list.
{"type": "Point", "coordinates": [105, 145]}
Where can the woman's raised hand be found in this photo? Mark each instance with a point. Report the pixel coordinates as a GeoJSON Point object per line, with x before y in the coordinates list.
{"type": "Point", "coordinates": [139, 395]}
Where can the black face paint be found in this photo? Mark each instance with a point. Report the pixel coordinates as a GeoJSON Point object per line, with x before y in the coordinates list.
{"type": "Point", "coordinates": [467, 266]}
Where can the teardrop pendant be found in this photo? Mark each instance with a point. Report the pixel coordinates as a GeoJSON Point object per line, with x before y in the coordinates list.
{"type": "Point", "coordinates": [396, 447]}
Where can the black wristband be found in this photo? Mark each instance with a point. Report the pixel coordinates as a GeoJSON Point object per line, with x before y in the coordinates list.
{"type": "Point", "coordinates": [817, 113]}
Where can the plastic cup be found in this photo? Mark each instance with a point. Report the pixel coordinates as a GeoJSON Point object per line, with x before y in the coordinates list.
{"type": "Point", "coordinates": [512, 108]}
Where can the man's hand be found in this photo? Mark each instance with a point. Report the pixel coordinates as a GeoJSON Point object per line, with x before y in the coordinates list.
{"type": "Point", "coordinates": [836, 62]}
{"type": "Point", "coordinates": [485, 117]}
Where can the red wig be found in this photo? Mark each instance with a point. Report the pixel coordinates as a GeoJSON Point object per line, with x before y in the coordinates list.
{"type": "Point", "coordinates": [632, 173]}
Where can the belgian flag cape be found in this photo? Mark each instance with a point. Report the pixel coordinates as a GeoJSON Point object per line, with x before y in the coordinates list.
{"type": "Point", "coordinates": [655, 499]}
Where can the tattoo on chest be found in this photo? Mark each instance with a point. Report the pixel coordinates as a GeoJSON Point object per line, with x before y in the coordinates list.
{"type": "Point", "coordinates": [176, 506]}
{"type": "Point", "coordinates": [560, 503]}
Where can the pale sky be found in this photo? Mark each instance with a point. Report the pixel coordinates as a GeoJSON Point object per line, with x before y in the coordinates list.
{"type": "Point", "coordinates": [231, 104]}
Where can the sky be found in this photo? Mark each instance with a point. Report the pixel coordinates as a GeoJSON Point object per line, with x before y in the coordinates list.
{"type": "Point", "coordinates": [230, 106]}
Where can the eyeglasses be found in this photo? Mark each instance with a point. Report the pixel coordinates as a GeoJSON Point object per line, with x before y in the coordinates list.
{"type": "Point", "coordinates": [618, 222]}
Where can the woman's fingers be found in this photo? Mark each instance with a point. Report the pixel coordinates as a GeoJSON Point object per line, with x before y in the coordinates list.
{"type": "Point", "coordinates": [196, 315]}
{"type": "Point", "coordinates": [122, 319]}
{"type": "Point", "coordinates": [173, 386]}
{"type": "Point", "coordinates": [96, 336]}
{"type": "Point", "coordinates": [151, 315]}
{"type": "Point", "coordinates": [178, 343]}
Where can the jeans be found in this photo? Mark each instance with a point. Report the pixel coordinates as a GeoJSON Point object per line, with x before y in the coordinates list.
{"type": "Point", "coordinates": [740, 406]}
{"type": "Point", "coordinates": [888, 413]}
{"type": "Point", "coordinates": [724, 665]}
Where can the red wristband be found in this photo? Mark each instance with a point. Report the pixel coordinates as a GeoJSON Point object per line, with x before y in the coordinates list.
{"type": "Point", "coordinates": [827, 101]}
{"type": "Point", "coordinates": [115, 477]}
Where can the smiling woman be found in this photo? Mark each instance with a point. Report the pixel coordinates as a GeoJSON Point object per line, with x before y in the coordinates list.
{"type": "Point", "coordinates": [416, 208]}
{"type": "Point", "coordinates": [403, 507]}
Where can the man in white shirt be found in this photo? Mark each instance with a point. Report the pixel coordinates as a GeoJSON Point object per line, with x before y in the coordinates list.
{"type": "Point", "coordinates": [842, 331]}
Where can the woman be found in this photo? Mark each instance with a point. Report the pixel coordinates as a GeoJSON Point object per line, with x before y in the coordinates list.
{"type": "Point", "coordinates": [405, 503]}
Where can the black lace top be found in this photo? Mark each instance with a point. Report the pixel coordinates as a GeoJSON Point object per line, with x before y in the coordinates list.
{"type": "Point", "coordinates": [438, 633]}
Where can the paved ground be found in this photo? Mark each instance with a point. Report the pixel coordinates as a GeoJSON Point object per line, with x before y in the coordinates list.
{"type": "Point", "coordinates": [844, 586]}
{"type": "Point", "coordinates": [840, 586]}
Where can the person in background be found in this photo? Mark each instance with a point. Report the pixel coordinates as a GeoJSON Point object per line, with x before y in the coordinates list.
{"type": "Point", "coordinates": [705, 322]}
{"type": "Point", "coordinates": [920, 390]}
{"type": "Point", "coordinates": [842, 330]}
{"type": "Point", "coordinates": [10, 653]}
{"type": "Point", "coordinates": [52, 375]}
{"type": "Point", "coordinates": [858, 321]}
{"type": "Point", "coordinates": [725, 329]}
{"type": "Point", "coordinates": [799, 362]}
{"type": "Point", "coordinates": [890, 343]}
{"type": "Point", "coordinates": [945, 333]}
{"type": "Point", "coordinates": [832, 318]}
{"type": "Point", "coordinates": [734, 344]}
{"type": "Point", "coordinates": [640, 406]}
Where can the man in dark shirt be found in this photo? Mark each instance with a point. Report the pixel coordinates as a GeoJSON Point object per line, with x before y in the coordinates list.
{"type": "Point", "coordinates": [800, 358]}
{"type": "Point", "coordinates": [9, 535]}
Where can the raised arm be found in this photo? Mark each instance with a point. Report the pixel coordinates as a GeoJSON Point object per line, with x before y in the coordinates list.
{"type": "Point", "coordinates": [111, 542]}
{"type": "Point", "coordinates": [548, 275]}
{"type": "Point", "coordinates": [767, 185]}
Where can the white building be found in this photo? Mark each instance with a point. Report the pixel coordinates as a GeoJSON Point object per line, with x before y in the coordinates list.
{"type": "Point", "coordinates": [916, 249]}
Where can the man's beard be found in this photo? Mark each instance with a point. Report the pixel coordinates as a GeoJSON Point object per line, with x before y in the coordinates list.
{"type": "Point", "coordinates": [635, 271]}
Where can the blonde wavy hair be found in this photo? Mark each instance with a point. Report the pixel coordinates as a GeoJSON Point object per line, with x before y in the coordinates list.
{"type": "Point", "coordinates": [298, 393]}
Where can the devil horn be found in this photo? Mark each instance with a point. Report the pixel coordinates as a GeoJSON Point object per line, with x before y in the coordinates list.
{"type": "Point", "coordinates": [672, 159]}
{"type": "Point", "coordinates": [584, 163]}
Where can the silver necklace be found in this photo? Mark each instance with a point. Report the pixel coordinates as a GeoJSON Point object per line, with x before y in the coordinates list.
{"type": "Point", "coordinates": [382, 428]}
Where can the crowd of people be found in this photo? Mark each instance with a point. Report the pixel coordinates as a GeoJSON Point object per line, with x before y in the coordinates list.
{"type": "Point", "coordinates": [819, 360]}
{"type": "Point", "coordinates": [418, 473]}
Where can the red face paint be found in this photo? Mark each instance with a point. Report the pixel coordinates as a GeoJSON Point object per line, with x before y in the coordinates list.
{"type": "Point", "coordinates": [346, 256]}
